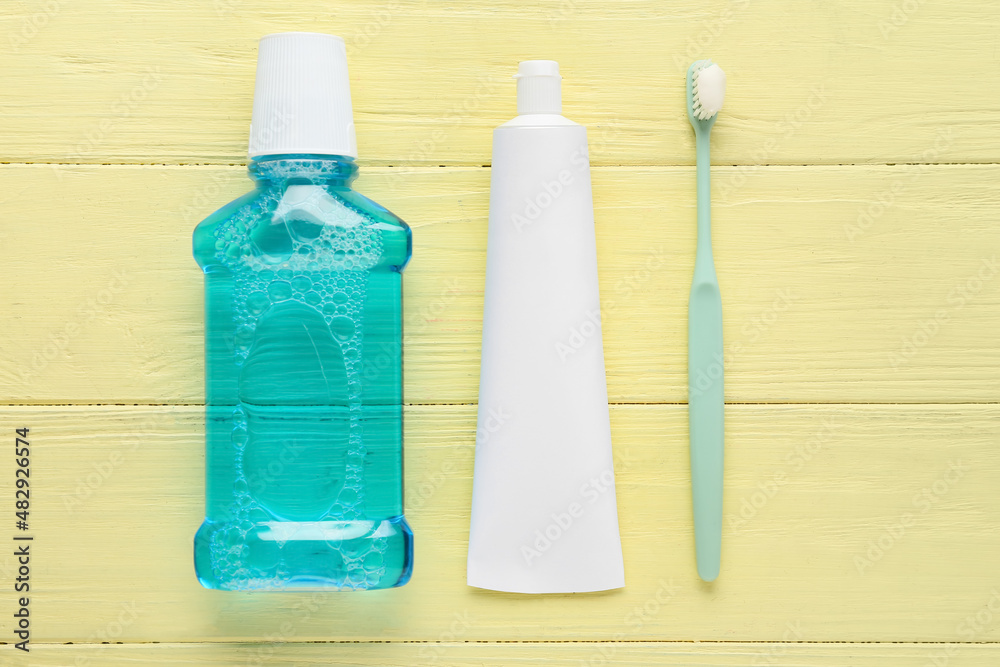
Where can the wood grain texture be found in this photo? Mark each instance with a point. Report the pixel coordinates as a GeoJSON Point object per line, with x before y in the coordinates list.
{"type": "Point", "coordinates": [840, 284]}
{"type": "Point", "coordinates": [851, 523]}
{"type": "Point", "coordinates": [568, 654]}
{"type": "Point", "coordinates": [810, 82]}
{"type": "Point", "coordinates": [856, 237]}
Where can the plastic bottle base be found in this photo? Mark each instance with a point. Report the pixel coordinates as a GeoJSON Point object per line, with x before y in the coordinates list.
{"type": "Point", "coordinates": [304, 556]}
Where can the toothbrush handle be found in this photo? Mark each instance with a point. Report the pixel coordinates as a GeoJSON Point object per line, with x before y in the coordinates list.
{"type": "Point", "coordinates": [705, 414]}
{"type": "Point", "coordinates": [705, 387]}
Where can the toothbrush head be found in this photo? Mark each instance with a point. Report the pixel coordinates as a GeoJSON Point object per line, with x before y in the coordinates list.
{"type": "Point", "coordinates": [706, 89]}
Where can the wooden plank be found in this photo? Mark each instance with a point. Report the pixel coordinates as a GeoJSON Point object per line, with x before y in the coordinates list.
{"type": "Point", "coordinates": [110, 81]}
{"type": "Point", "coordinates": [452, 654]}
{"type": "Point", "coordinates": [851, 523]}
{"type": "Point", "coordinates": [840, 284]}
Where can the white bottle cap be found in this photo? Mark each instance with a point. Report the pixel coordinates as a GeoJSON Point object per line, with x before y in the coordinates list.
{"type": "Point", "coordinates": [539, 87]}
{"type": "Point", "coordinates": [302, 100]}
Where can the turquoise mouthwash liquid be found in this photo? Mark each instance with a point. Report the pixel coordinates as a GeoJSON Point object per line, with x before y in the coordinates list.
{"type": "Point", "coordinates": [303, 349]}
{"type": "Point", "coordinates": [303, 353]}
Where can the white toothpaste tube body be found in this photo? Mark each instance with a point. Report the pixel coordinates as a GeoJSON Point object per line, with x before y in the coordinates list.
{"type": "Point", "coordinates": [544, 513]}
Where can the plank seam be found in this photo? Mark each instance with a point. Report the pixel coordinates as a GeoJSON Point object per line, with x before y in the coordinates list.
{"type": "Point", "coordinates": [434, 405]}
{"type": "Point", "coordinates": [486, 166]}
{"type": "Point", "coordinates": [584, 642]}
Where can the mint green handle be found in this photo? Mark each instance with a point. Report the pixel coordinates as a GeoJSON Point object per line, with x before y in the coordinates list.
{"type": "Point", "coordinates": [705, 379]}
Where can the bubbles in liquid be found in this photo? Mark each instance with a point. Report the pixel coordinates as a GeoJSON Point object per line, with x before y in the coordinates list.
{"type": "Point", "coordinates": [243, 337]}
{"type": "Point", "coordinates": [279, 290]}
{"type": "Point", "coordinates": [239, 437]}
{"type": "Point", "coordinates": [342, 328]}
{"type": "Point", "coordinates": [317, 252]}
{"type": "Point", "coordinates": [257, 302]}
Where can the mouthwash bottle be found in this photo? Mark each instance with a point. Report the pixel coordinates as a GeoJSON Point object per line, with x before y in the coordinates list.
{"type": "Point", "coordinates": [303, 349]}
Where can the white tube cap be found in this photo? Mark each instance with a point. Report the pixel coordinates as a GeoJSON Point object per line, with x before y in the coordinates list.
{"type": "Point", "coordinates": [539, 87]}
{"type": "Point", "coordinates": [302, 99]}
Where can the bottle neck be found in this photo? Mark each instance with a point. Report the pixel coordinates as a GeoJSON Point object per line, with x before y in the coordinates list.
{"type": "Point", "coordinates": [280, 171]}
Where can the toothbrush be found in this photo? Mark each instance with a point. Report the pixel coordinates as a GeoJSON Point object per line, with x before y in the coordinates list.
{"type": "Point", "coordinates": [706, 88]}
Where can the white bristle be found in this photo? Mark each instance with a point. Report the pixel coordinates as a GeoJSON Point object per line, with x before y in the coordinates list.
{"type": "Point", "coordinates": [708, 90]}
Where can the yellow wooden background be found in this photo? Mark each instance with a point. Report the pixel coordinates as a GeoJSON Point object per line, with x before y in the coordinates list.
{"type": "Point", "coordinates": [856, 208]}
